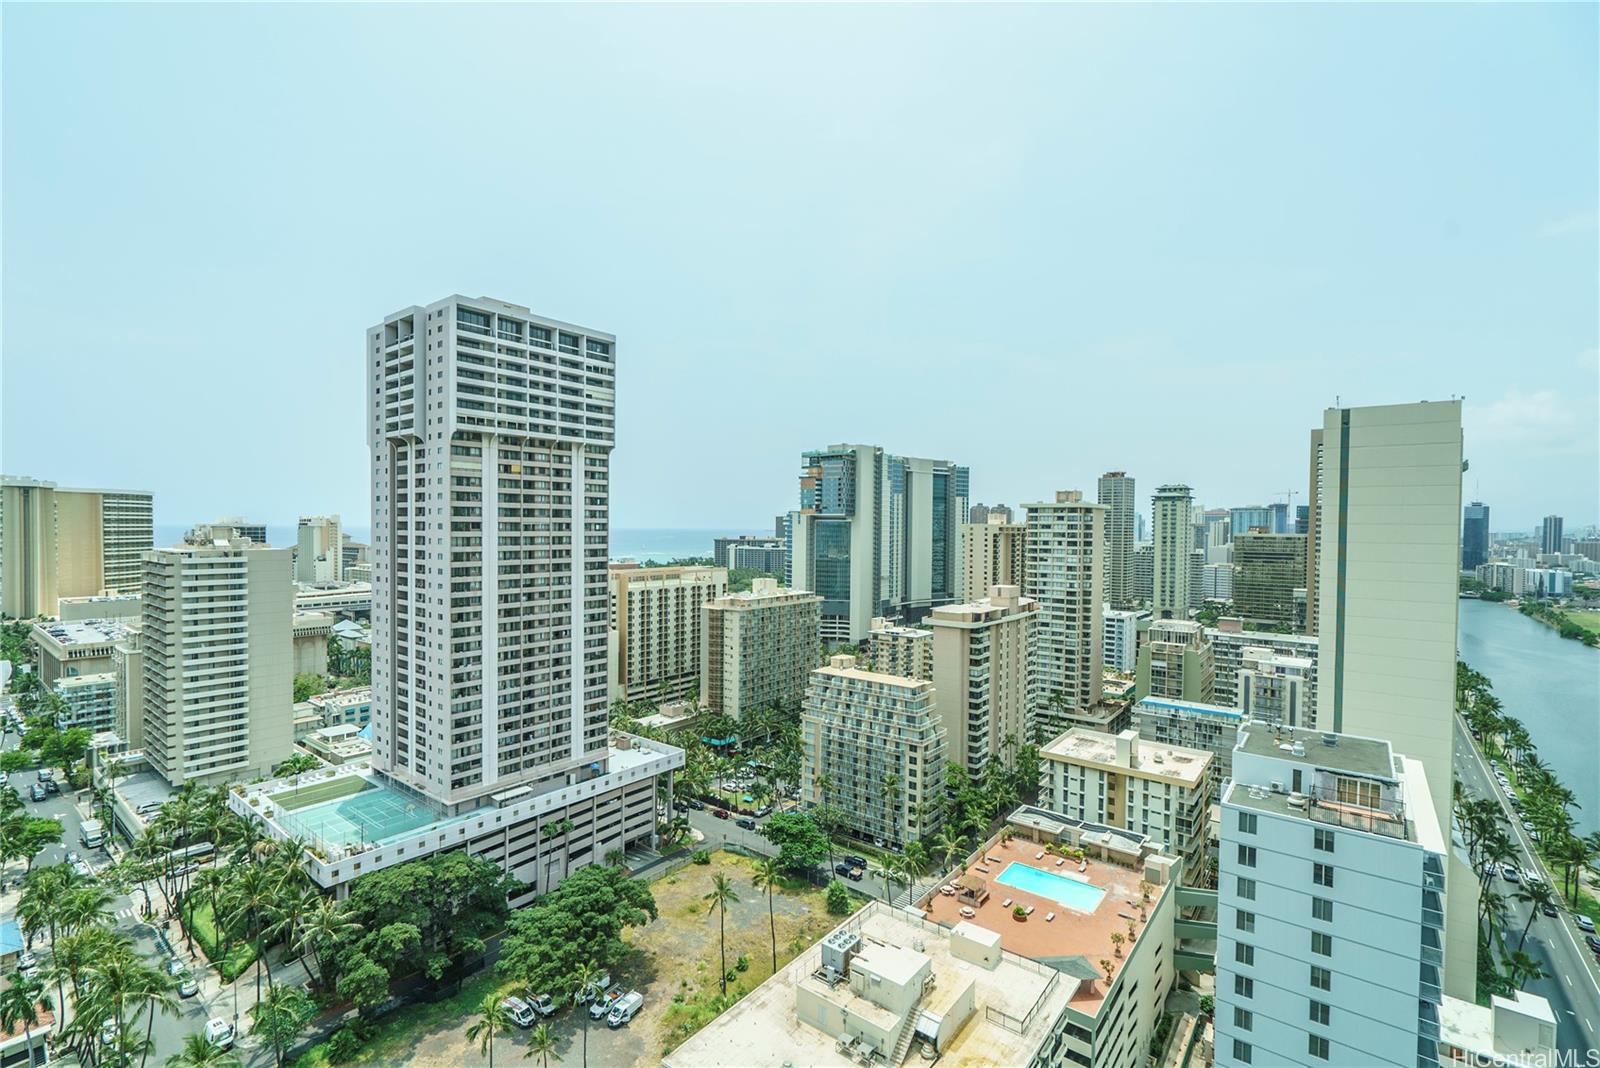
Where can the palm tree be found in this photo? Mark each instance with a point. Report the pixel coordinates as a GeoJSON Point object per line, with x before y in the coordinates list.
{"type": "Point", "coordinates": [767, 875]}
{"type": "Point", "coordinates": [323, 928]}
{"type": "Point", "coordinates": [891, 803]}
{"type": "Point", "coordinates": [21, 1003]}
{"type": "Point", "coordinates": [1536, 895]}
{"type": "Point", "coordinates": [199, 1052]}
{"type": "Point", "coordinates": [721, 896]}
{"type": "Point", "coordinates": [1522, 969]}
{"type": "Point", "coordinates": [949, 847]}
{"type": "Point", "coordinates": [893, 871]}
{"type": "Point", "coordinates": [492, 1019]}
{"type": "Point", "coordinates": [587, 976]}
{"type": "Point", "coordinates": [542, 1043]}
{"type": "Point", "coordinates": [252, 897]}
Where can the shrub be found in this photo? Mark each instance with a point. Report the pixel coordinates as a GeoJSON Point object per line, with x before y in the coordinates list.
{"type": "Point", "coordinates": [701, 857]}
{"type": "Point", "coordinates": [742, 964]}
{"type": "Point", "coordinates": [343, 1046]}
{"type": "Point", "coordinates": [838, 899]}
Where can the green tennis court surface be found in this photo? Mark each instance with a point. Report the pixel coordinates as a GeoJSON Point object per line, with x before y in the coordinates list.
{"type": "Point", "coordinates": [369, 815]}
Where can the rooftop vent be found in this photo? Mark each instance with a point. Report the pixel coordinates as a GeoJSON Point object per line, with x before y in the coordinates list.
{"type": "Point", "coordinates": [1330, 738]}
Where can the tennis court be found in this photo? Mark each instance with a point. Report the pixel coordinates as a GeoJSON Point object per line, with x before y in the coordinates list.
{"type": "Point", "coordinates": [371, 815]}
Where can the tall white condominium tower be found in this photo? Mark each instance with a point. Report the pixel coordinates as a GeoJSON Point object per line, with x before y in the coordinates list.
{"type": "Point", "coordinates": [319, 554]}
{"type": "Point", "coordinates": [1174, 542]}
{"type": "Point", "coordinates": [1066, 575]}
{"type": "Point", "coordinates": [1116, 493]}
{"type": "Point", "coordinates": [491, 433]}
{"type": "Point", "coordinates": [1331, 904]}
{"type": "Point", "coordinates": [876, 535]}
{"type": "Point", "coordinates": [1389, 527]}
{"type": "Point", "coordinates": [218, 661]}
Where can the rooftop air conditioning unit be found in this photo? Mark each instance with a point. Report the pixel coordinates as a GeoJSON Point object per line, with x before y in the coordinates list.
{"type": "Point", "coordinates": [1277, 786]}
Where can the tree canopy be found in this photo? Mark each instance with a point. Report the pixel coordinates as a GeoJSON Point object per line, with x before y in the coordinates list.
{"type": "Point", "coordinates": [578, 922]}
{"type": "Point", "coordinates": [801, 843]}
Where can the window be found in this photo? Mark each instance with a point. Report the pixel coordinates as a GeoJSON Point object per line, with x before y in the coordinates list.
{"type": "Point", "coordinates": [1322, 943]}
{"type": "Point", "coordinates": [1321, 978]}
{"type": "Point", "coordinates": [1319, 1012]}
{"type": "Point", "coordinates": [1322, 839]}
{"type": "Point", "coordinates": [1247, 888]}
{"type": "Point", "coordinates": [1322, 909]}
{"type": "Point", "coordinates": [1247, 822]}
{"type": "Point", "coordinates": [1244, 986]}
{"type": "Point", "coordinates": [1322, 874]}
{"type": "Point", "coordinates": [1243, 953]}
{"type": "Point", "coordinates": [1242, 1019]}
{"type": "Point", "coordinates": [1317, 1046]}
{"type": "Point", "coordinates": [1247, 856]}
{"type": "Point", "coordinates": [1244, 921]}
{"type": "Point", "coordinates": [1241, 1051]}
{"type": "Point", "coordinates": [1363, 792]}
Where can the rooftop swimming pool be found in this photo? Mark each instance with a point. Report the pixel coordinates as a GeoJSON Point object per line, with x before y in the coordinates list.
{"type": "Point", "coordinates": [1070, 893]}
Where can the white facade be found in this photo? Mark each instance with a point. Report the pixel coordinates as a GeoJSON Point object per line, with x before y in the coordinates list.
{"type": "Point", "coordinates": [984, 654]}
{"type": "Point", "coordinates": [1173, 508]}
{"type": "Point", "coordinates": [319, 550]}
{"type": "Point", "coordinates": [1116, 491]}
{"type": "Point", "coordinates": [758, 648]}
{"type": "Point", "coordinates": [897, 650]}
{"type": "Point", "coordinates": [1229, 641]}
{"type": "Point", "coordinates": [1274, 688]}
{"type": "Point", "coordinates": [1330, 905]}
{"type": "Point", "coordinates": [1120, 644]}
{"type": "Point", "coordinates": [1066, 575]}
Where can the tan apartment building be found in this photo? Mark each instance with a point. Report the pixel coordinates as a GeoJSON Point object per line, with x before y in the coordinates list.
{"type": "Point", "coordinates": [127, 664]}
{"type": "Point", "coordinates": [319, 550]}
{"type": "Point", "coordinates": [1066, 575]}
{"type": "Point", "coordinates": [983, 657]}
{"type": "Point", "coordinates": [218, 661]}
{"type": "Point", "coordinates": [1120, 780]}
{"type": "Point", "coordinates": [81, 647]}
{"type": "Point", "coordinates": [1172, 515]}
{"type": "Point", "coordinates": [873, 748]}
{"type": "Point", "coordinates": [993, 553]}
{"type": "Point", "coordinates": [655, 634]}
{"type": "Point", "coordinates": [1116, 492]}
{"type": "Point", "coordinates": [57, 542]}
{"type": "Point", "coordinates": [1176, 662]}
{"type": "Point", "coordinates": [898, 650]}
{"type": "Point", "coordinates": [758, 648]}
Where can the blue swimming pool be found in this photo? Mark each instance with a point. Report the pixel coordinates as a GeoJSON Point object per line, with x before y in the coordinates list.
{"type": "Point", "coordinates": [1075, 895]}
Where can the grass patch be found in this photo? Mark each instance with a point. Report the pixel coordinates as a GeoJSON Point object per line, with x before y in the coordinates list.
{"type": "Point", "coordinates": [203, 925]}
{"type": "Point", "coordinates": [1589, 621]}
{"type": "Point", "coordinates": [395, 1035]}
{"type": "Point", "coordinates": [315, 793]}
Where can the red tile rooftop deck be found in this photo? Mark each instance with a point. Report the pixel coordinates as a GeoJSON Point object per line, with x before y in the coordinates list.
{"type": "Point", "coordinates": [1071, 933]}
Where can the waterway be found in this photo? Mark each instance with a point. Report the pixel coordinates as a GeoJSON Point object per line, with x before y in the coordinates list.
{"type": "Point", "coordinates": [1549, 683]}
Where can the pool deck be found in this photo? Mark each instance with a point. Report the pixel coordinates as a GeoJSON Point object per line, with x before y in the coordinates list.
{"type": "Point", "coordinates": [1071, 933]}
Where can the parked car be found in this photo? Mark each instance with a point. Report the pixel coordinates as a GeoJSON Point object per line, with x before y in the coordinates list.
{"type": "Point", "coordinates": [545, 1005]}
{"type": "Point", "coordinates": [520, 1011]}
{"type": "Point", "coordinates": [601, 1007]}
{"type": "Point", "coordinates": [36, 791]}
{"type": "Point", "coordinates": [721, 813]}
{"type": "Point", "coordinates": [843, 869]}
{"type": "Point", "coordinates": [219, 1032]}
{"type": "Point", "coordinates": [855, 861]}
{"type": "Point", "coordinates": [746, 822]}
{"type": "Point", "coordinates": [854, 874]}
{"type": "Point", "coordinates": [1592, 942]}
{"type": "Point", "coordinates": [4, 778]}
{"type": "Point", "coordinates": [1584, 923]}
{"type": "Point", "coordinates": [596, 989]}
{"type": "Point", "coordinates": [691, 803]}
{"type": "Point", "coordinates": [45, 774]}
{"type": "Point", "coordinates": [174, 967]}
{"type": "Point", "coordinates": [83, 870]}
{"type": "Point", "coordinates": [763, 811]}
{"type": "Point", "coordinates": [108, 1031]}
{"type": "Point", "coordinates": [625, 1009]}
{"type": "Point", "coordinates": [188, 985]}
{"type": "Point", "coordinates": [52, 787]}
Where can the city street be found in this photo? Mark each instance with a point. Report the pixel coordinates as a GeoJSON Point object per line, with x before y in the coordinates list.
{"type": "Point", "coordinates": [1572, 985]}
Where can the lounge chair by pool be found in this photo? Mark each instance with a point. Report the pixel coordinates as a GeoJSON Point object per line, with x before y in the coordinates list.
{"type": "Point", "coordinates": [1039, 855]}
{"type": "Point", "coordinates": [1049, 916]}
{"type": "Point", "coordinates": [1006, 903]}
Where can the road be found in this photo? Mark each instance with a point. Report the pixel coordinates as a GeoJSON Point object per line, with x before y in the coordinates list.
{"type": "Point", "coordinates": [1572, 985]}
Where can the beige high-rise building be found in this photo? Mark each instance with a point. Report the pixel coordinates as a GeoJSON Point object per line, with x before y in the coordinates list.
{"type": "Point", "coordinates": [1116, 492]}
{"type": "Point", "coordinates": [218, 661]}
{"type": "Point", "coordinates": [655, 636]}
{"type": "Point", "coordinates": [1314, 488]}
{"type": "Point", "coordinates": [983, 657]}
{"type": "Point", "coordinates": [1389, 552]}
{"type": "Point", "coordinates": [127, 664]}
{"type": "Point", "coordinates": [1275, 688]}
{"type": "Point", "coordinates": [1173, 517]}
{"type": "Point", "coordinates": [1120, 780]}
{"type": "Point", "coordinates": [993, 553]}
{"type": "Point", "coordinates": [873, 748]}
{"type": "Point", "coordinates": [758, 648]}
{"type": "Point", "coordinates": [60, 542]}
{"type": "Point", "coordinates": [1066, 575]}
{"type": "Point", "coordinates": [1176, 662]}
{"type": "Point", "coordinates": [897, 650]}
{"type": "Point", "coordinates": [319, 550]}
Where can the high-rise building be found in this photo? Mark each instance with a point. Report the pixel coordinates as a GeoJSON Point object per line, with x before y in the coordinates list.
{"type": "Point", "coordinates": [993, 553]}
{"type": "Point", "coordinates": [757, 648]}
{"type": "Point", "coordinates": [91, 701]}
{"type": "Point", "coordinates": [1268, 568]}
{"type": "Point", "coordinates": [1474, 535]}
{"type": "Point", "coordinates": [1066, 575]}
{"type": "Point", "coordinates": [127, 664]}
{"type": "Point", "coordinates": [1389, 560]}
{"type": "Point", "coordinates": [655, 641]}
{"type": "Point", "coordinates": [1229, 640]}
{"type": "Point", "coordinates": [57, 542]}
{"type": "Point", "coordinates": [1302, 518]}
{"type": "Point", "coordinates": [218, 661]}
{"type": "Point", "coordinates": [980, 513]}
{"type": "Point", "coordinates": [244, 528]}
{"type": "Point", "coordinates": [873, 748]}
{"type": "Point", "coordinates": [983, 658]}
{"type": "Point", "coordinates": [1276, 689]}
{"type": "Point", "coordinates": [1314, 488]}
{"type": "Point", "coordinates": [1254, 517]}
{"type": "Point", "coordinates": [1174, 542]}
{"type": "Point", "coordinates": [1279, 511]}
{"type": "Point", "coordinates": [1176, 662]}
{"type": "Point", "coordinates": [1116, 492]}
{"type": "Point", "coordinates": [749, 550]}
{"type": "Point", "coordinates": [1331, 903]}
{"type": "Point", "coordinates": [876, 535]}
{"type": "Point", "coordinates": [1550, 534]}
{"type": "Point", "coordinates": [319, 552]}
{"type": "Point", "coordinates": [895, 649]}
{"type": "Point", "coordinates": [1155, 789]}
{"type": "Point", "coordinates": [1214, 728]}
{"type": "Point", "coordinates": [1216, 582]}
{"type": "Point", "coordinates": [1219, 527]}
{"type": "Point", "coordinates": [1120, 628]}
{"type": "Point", "coordinates": [1144, 573]}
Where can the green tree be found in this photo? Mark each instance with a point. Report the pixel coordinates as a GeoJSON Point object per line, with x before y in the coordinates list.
{"type": "Point", "coordinates": [280, 1018]}
{"type": "Point", "coordinates": [200, 1052]}
{"type": "Point", "coordinates": [542, 1043]}
{"type": "Point", "coordinates": [579, 921]}
{"type": "Point", "coordinates": [21, 1002]}
{"type": "Point", "coordinates": [721, 896]}
{"type": "Point", "coordinates": [451, 901]}
{"type": "Point", "coordinates": [491, 1019]}
{"type": "Point", "coordinates": [307, 686]}
{"type": "Point", "coordinates": [837, 898]}
{"type": "Point", "coordinates": [585, 978]}
{"type": "Point", "coordinates": [802, 844]}
{"type": "Point", "coordinates": [768, 872]}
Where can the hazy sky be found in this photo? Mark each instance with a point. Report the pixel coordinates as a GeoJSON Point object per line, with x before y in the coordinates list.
{"type": "Point", "coordinates": [1045, 242]}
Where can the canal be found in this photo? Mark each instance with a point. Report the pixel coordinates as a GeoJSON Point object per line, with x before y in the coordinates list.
{"type": "Point", "coordinates": [1551, 684]}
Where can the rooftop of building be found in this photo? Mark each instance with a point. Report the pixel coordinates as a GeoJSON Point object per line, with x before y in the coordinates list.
{"type": "Point", "coordinates": [312, 623]}
{"type": "Point", "coordinates": [844, 666]}
{"type": "Point", "coordinates": [1013, 1004]}
{"type": "Point", "coordinates": [1002, 602]}
{"type": "Point", "coordinates": [78, 682]}
{"type": "Point", "coordinates": [1167, 704]}
{"type": "Point", "coordinates": [1339, 752]}
{"type": "Point", "coordinates": [1524, 1019]}
{"type": "Point", "coordinates": [762, 591]}
{"type": "Point", "coordinates": [81, 632]}
{"type": "Point", "coordinates": [1128, 752]}
{"type": "Point", "coordinates": [892, 629]}
{"type": "Point", "coordinates": [357, 695]}
{"type": "Point", "coordinates": [1075, 906]}
{"type": "Point", "coordinates": [635, 573]}
{"type": "Point", "coordinates": [1234, 626]}
{"type": "Point", "coordinates": [1398, 806]}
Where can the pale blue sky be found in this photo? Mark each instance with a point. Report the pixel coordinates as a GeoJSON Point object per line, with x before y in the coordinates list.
{"type": "Point", "coordinates": [1045, 242]}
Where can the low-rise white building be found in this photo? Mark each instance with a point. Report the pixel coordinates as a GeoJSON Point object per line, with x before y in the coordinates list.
{"type": "Point", "coordinates": [1120, 638]}
{"type": "Point", "coordinates": [91, 701]}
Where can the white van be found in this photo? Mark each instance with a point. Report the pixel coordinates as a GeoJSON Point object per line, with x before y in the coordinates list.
{"type": "Point", "coordinates": [626, 1009]}
{"type": "Point", "coordinates": [92, 833]}
{"type": "Point", "coordinates": [520, 1011]}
